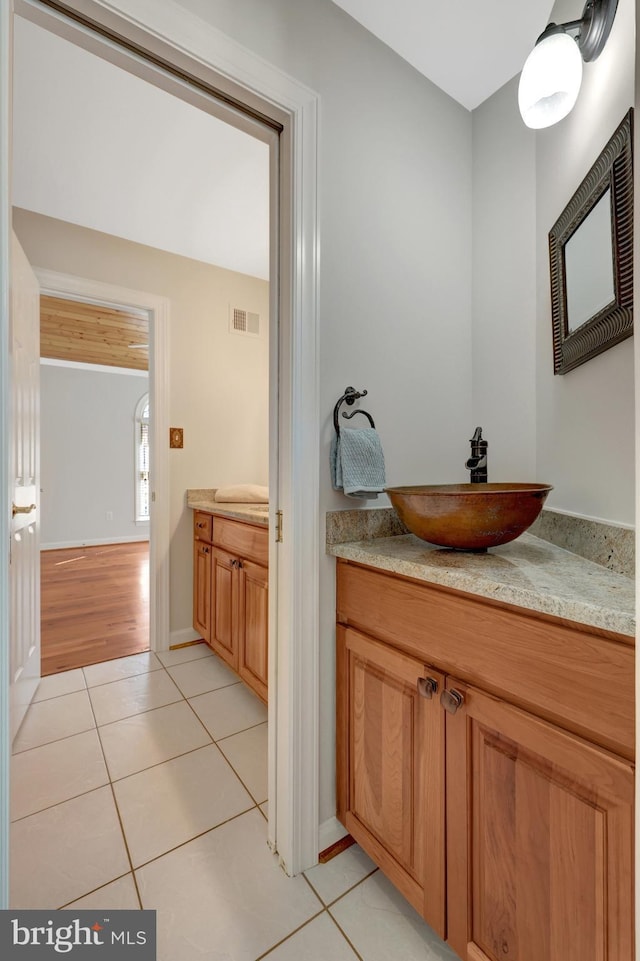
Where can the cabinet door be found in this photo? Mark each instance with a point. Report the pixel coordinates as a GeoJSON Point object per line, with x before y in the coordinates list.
{"type": "Point", "coordinates": [224, 606]}
{"type": "Point", "coordinates": [390, 757]}
{"type": "Point", "coordinates": [539, 839]}
{"type": "Point", "coordinates": [253, 628]}
{"type": "Point", "coordinates": [202, 589]}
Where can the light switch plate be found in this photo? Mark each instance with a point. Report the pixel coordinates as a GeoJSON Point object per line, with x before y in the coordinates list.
{"type": "Point", "coordinates": [176, 437]}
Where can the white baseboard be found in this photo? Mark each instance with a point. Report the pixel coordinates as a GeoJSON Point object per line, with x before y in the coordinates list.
{"type": "Point", "coordinates": [329, 832]}
{"type": "Point", "coordinates": [176, 638]}
{"type": "Point", "coordinates": [95, 542]}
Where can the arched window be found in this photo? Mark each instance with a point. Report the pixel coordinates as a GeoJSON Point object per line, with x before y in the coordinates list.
{"type": "Point", "coordinates": [142, 489]}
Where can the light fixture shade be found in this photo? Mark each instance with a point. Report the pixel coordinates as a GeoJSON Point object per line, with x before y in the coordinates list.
{"type": "Point", "coordinates": [550, 81]}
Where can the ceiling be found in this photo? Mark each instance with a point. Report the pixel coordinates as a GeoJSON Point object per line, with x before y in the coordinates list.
{"type": "Point", "coordinates": [469, 48]}
{"type": "Point", "coordinates": [96, 146]}
{"type": "Point", "coordinates": [89, 334]}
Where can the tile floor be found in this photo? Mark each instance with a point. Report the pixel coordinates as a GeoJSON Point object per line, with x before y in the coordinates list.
{"type": "Point", "coordinates": [142, 782]}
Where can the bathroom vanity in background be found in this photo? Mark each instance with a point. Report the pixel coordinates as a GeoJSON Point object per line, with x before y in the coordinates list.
{"type": "Point", "coordinates": [230, 587]}
{"type": "Point", "coordinates": [485, 742]}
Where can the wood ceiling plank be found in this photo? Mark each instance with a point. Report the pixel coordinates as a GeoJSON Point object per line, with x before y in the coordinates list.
{"type": "Point", "coordinates": [92, 334]}
{"type": "Point", "coordinates": [122, 333]}
{"type": "Point", "coordinates": [81, 309]}
{"type": "Point", "coordinates": [54, 321]}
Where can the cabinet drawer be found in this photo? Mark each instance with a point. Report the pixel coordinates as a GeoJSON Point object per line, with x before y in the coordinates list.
{"type": "Point", "coordinates": [556, 670]}
{"type": "Point", "coordinates": [202, 526]}
{"type": "Point", "coordinates": [242, 539]}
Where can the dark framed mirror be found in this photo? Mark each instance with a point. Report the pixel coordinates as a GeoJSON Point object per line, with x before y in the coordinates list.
{"type": "Point", "coordinates": [591, 258]}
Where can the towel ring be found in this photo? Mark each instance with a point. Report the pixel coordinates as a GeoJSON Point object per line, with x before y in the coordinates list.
{"type": "Point", "coordinates": [350, 396]}
{"type": "Point", "coordinates": [354, 412]}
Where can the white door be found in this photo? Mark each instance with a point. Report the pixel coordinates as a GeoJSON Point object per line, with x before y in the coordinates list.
{"type": "Point", "coordinates": [24, 480]}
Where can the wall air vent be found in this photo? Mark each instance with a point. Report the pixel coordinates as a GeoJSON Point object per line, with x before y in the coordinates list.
{"type": "Point", "coordinates": [244, 322]}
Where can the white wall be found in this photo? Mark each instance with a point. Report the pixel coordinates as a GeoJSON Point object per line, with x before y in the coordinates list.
{"type": "Point", "coordinates": [87, 456]}
{"type": "Point", "coordinates": [504, 286]}
{"type": "Point", "coordinates": [395, 284]}
{"type": "Point", "coordinates": [575, 431]}
{"type": "Point", "coordinates": [104, 128]}
{"type": "Point", "coordinates": [586, 417]}
{"type": "Point", "coordinates": [218, 380]}
{"type": "Point", "coordinates": [395, 220]}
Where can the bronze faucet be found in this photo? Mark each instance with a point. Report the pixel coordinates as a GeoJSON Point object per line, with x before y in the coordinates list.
{"type": "Point", "coordinates": [477, 463]}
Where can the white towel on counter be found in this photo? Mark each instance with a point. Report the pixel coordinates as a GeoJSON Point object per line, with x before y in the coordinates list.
{"type": "Point", "coordinates": [357, 462]}
{"type": "Point", "coordinates": [242, 494]}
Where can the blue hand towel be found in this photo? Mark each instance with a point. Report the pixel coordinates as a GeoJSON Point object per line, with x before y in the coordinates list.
{"type": "Point", "coordinates": [357, 462]}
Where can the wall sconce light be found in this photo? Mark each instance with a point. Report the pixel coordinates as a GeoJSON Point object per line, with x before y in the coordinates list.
{"type": "Point", "coordinates": [552, 74]}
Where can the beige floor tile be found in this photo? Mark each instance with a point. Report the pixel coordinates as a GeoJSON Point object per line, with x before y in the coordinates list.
{"type": "Point", "coordinates": [56, 684]}
{"type": "Point", "coordinates": [205, 674]}
{"type": "Point", "coordinates": [66, 851]}
{"type": "Point", "coordinates": [247, 754]}
{"type": "Point", "coordinates": [120, 895]}
{"type": "Point", "coordinates": [51, 720]}
{"type": "Point", "coordinates": [337, 876]}
{"type": "Point", "coordinates": [132, 695]}
{"type": "Point", "coordinates": [377, 919]}
{"type": "Point", "coordinates": [229, 710]}
{"type": "Point", "coordinates": [176, 801]}
{"type": "Point", "coordinates": [224, 895]}
{"type": "Point", "coordinates": [183, 654]}
{"type": "Point", "coordinates": [56, 772]}
{"type": "Point", "coordinates": [319, 940]}
{"type": "Point", "coordinates": [121, 667]}
{"type": "Point", "coordinates": [139, 742]}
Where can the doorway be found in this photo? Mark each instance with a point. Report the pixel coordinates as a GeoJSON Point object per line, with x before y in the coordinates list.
{"type": "Point", "coordinates": [155, 311]}
{"type": "Point", "coordinates": [210, 358]}
{"type": "Point", "coordinates": [242, 78]}
{"type": "Point", "coordinates": [95, 496]}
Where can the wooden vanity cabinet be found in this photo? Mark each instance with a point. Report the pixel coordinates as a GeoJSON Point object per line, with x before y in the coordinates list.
{"type": "Point", "coordinates": [238, 596]}
{"type": "Point", "coordinates": [518, 845]}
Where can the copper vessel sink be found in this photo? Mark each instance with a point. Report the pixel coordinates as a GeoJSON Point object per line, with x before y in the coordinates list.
{"type": "Point", "coordinates": [469, 517]}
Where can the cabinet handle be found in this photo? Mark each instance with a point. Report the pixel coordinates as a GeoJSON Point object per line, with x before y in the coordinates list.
{"type": "Point", "coordinates": [239, 564]}
{"type": "Point", "coordinates": [451, 700]}
{"type": "Point", "coordinates": [205, 550]}
{"type": "Point", "coordinates": [427, 686]}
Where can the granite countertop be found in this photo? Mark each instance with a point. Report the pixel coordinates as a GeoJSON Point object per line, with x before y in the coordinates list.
{"type": "Point", "coordinates": [528, 572]}
{"type": "Point", "coordinates": [202, 500]}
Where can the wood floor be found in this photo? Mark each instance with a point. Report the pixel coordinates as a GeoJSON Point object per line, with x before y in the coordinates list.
{"type": "Point", "coordinates": [94, 604]}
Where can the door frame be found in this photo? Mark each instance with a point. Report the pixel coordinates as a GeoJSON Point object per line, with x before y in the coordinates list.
{"type": "Point", "coordinates": [157, 309]}
{"type": "Point", "coordinates": [5, 389]}
{"type": "Point", "coordinates": [170, 35]}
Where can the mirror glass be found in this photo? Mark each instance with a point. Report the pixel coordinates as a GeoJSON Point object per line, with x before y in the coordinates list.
{"type": "Point", "coordinates": [589, 265]}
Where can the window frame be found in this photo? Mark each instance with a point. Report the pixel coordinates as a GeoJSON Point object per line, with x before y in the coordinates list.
{"type": "Point", "coordinates": [138, 420]}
